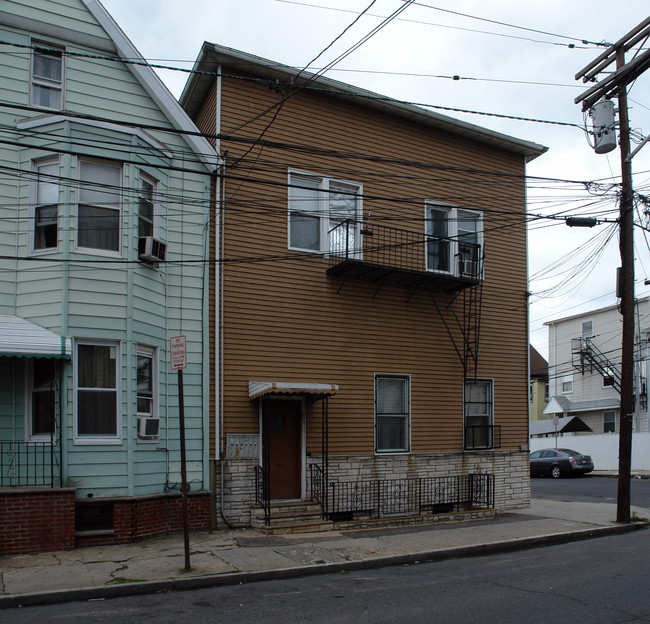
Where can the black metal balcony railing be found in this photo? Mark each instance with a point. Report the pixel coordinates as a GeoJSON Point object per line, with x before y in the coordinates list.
{"type": "Point", "coordinates": [379, 252]}
{"type": "Point", "coordinates": [396, 497]}
{"type": "Point", "coordinates": [482, 437]}
{"type": "Point", "coordinates": [24, 464]}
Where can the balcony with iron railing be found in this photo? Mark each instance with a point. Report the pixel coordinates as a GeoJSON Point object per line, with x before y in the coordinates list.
{"type": "Point", "coordinates": [385, 254]}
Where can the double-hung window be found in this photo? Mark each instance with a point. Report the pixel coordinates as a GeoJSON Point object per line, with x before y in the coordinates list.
{"type": "Point", "coordinates": [479, 430]}
{"type": "Point", "coordinates": [146, 206]}
{"type": "Point", "coordinates": [454, 240]}
{"type": "Point", "coordinates": [46, 208]}
{"type": "Point", "coordinates": [99, 206]}
{"type": "Point", "coordinates": [146, 393]}
{"type": "Point", "coordinates": [392, 413]}
{"type": "Point", "coordinates": [566, 382]}
{"type": "Point", "coordinates": [47, 77]}
{"type": "Point", "coordinates": [97, 384]}
{"type": "Point", "coordinates": [609, 422]}
{"type": "Point", "coordinates": [324, 214]}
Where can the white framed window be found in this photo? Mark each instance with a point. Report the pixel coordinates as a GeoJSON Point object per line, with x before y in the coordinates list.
{"type": "Point", "coordinates": [609, 422]}
{"type": "Point", "coordinates": [146, 206]}
{"type": "Point", "coordinates": [41, 400]}
{"type": "Point", "coordinates": [97, 391]}
{"type": "Point", "coordinates": [454, 240]}
{"type": "Point", "coordinates": [392, 413]}
{"type": "Point", "coordinates": [324, 214]}
{"type": "Point", "coordinates": [147, 394]}
{"type": "Point", "coordinates": [478, 414]}
{"type": "Point", "coordinates": [46, 205]}
{"type": "Point", "coordinates": [46, 85]}
{"type": "Point", "coordinates": [99, 206]}
{"type": "Point", "coordinates": [566, 382]}
{"type": "Point", "coordinates": [587, 329]}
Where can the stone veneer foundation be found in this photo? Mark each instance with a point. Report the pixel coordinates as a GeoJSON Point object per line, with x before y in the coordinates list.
{"type": "Point", "coordinates": [510, 469]}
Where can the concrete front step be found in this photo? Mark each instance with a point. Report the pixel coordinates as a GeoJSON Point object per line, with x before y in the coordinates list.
{"type": "Point", "coordinates": [292, 516]}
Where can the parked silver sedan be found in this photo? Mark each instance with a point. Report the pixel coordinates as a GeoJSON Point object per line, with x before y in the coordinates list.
{"type": "Point", "coordinates": [559, 462]}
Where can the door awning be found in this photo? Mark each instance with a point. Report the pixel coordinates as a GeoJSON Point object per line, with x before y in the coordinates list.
{"type": "Point", "coordinates": [258, 389]}
{"type": "Point", "coordinates": [21, 338]}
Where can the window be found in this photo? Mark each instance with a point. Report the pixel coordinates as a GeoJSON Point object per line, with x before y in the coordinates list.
{"type": "Point", "coordinates": [588, 329]}
{"type": "Point", "coordinates": [42, 400]}
{"type": "Point", "coordinates": [392, 413]}
{"type": "Point", "coordinates": [46, 207]}
{"type": "Point", "coordinates": [567, 383]}
{"type": "Point", "coordinates": [146, 394]}
{"type": "Point", "coordinates": [99, 206]}
{"type": "Point", "coordinates": [530, 392]}
{"type": "Point", "coordinates": [546, 391]}
{"type": "Point", "coordinates": [454, 238]}
{"type": "Point", "coordinates": [146, 206]}
{"type": "Point", "coordinates": [47, 77]}
{"type": "Point", "coordinates": [324, 214]}
{"type": "Point", "coordinates": [478, 414]}
{"type": "Point", "coordinates": [609, 422]}
{"type": "Point", "coordinates": [97, 390]}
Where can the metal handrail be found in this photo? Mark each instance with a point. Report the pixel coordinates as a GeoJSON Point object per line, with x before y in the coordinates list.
{"type": "Point", "coordinates": [25, 464]}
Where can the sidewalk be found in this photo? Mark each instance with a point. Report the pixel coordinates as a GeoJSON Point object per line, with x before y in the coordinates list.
{"type": "Point", "coordinates": [238, 556]}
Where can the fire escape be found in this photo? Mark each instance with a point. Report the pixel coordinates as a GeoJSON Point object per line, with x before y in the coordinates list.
{"type": "Point", "coordinates": [586, 357]}
{"type": "Point", "coordinates": [449, 270]}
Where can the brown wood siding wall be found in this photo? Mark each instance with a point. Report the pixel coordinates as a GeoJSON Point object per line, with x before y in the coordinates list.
{"type": "Point", "coordinates": [286, 320]}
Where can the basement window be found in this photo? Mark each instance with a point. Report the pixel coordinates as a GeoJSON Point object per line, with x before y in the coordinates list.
{"type": "Point", "coordinates": [93, 517]}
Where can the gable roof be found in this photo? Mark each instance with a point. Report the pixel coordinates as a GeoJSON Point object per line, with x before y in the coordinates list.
{"type": "Point", "coordinates": [538, 365]}
{"type": "Point", "coordinates": [154, 86]}
{"type": "Point", "coordinates": [212, 56]}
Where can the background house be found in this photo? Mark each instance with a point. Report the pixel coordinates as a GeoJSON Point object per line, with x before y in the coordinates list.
{"type": "Point", "coordinates": [104, 203]}
{"type": "Point", "coordinates": [584, 367]}
{"type": "Point", "coordinates": [584, 380]}
{"type": "Point", "coordinates": [538, 384]}
{"type": "Point", "coordinates": [371, 330]}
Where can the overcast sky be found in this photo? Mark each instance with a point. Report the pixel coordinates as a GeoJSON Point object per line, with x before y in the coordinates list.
{"type": "Point", "coordinates": [527, 71]}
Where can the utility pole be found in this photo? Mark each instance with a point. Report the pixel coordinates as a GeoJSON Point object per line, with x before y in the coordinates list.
{"type": "Point", "coordinates": [615, 85]}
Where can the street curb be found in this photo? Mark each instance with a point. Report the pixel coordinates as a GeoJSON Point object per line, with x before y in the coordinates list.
{"type": "Point", "coordinates": [107, 592]}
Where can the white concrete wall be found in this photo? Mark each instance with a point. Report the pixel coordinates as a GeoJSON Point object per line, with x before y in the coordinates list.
{"type": "Point", "coordinates": [602, 448]}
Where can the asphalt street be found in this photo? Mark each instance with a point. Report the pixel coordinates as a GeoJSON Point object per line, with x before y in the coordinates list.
{"type": "Point", "coordinates": [596, 581]}
{"type": "Point", "coordinates": [589, 488]}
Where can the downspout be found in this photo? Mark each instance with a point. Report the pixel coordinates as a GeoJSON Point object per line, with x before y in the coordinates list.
{"type": "Point", "coordinates": [218, 320]}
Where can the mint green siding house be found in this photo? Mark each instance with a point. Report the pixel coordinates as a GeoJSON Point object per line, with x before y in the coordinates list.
{"type": "Point", "coordinates": [104, 231]}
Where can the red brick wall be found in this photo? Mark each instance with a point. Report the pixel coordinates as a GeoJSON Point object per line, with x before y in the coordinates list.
{"type": "Point", "coordinates": [36, 520]}
{"type": "Point", "coordinates": [139, 518]}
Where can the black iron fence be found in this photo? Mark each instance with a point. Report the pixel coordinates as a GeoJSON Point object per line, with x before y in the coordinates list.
{"type": "Point", "coordinates": [24, 464]}
{"type": "Point", "coordinates": [343, 501]}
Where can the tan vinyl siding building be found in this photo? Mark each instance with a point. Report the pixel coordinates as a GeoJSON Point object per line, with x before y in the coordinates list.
{"type": "Point", "coordinates": [284, 319]}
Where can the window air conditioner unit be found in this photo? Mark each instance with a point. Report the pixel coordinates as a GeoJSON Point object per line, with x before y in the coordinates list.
{"type": "Point", "coordinates": [468, 268]}
{"type": "Point", "coordinates": [148, 427]}
{"type": "Point", "coordinates": [150, 249]}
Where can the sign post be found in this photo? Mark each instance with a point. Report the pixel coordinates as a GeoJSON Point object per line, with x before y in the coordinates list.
{"type": "Point", "coordinates": [178, 360]}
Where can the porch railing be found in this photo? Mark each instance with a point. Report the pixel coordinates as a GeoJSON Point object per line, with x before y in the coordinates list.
{"type": "Point", "coordinates": [262, 497]}
{"type": "Point", "coordinates": [24, 464]}
{"type": "Point", "coordinates": [351, 500]}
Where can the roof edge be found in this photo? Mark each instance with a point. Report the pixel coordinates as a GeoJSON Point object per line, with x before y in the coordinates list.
{"type": "Point", "coordinates": [212, 55]}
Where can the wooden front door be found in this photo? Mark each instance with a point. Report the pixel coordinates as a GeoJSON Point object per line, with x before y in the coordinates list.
{"type": "Point", "coordinates": [285, 446]}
